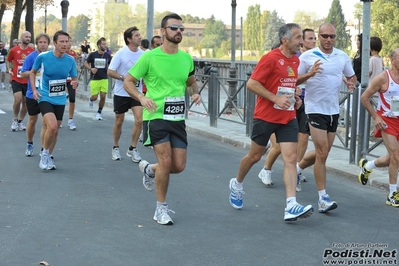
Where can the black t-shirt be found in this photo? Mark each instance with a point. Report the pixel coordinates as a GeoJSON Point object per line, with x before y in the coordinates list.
{"type": "Point", "coordinates": [85, 48]}
{"type": "Point", "coordinates": [3, 54]}
{"type": "Point", "coordinates": [357, 66]}
{"type": "Point", "coordinates": [101, 62]}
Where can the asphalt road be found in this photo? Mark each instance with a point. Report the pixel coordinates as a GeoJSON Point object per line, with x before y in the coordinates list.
{"type": "Point", "coordinates": [95, 211]}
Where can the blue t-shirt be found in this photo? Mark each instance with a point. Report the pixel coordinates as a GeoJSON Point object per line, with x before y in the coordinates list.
{"type": "Point", "coordinates": [54, 73]}
{"type": "Point", "coordinates": [27, 66]}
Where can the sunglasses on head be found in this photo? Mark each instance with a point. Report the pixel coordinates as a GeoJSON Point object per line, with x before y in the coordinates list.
{"type": "Point", "coordinates": [326, 36]}
{"type": "Point", "coordinates": [175, 27]}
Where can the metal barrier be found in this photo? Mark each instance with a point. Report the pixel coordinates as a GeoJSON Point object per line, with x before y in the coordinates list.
{"type": "Point", "coordinates": [354, 124]}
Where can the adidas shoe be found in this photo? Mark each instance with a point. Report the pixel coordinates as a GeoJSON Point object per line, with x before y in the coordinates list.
{"type": "Point", "coordinates": [298, 211]}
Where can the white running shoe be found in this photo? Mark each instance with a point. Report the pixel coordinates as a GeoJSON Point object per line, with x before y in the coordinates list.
{"type": "Point", "coordinates": [2, 86]}
{"type": "Point", "coordinates": [51, 165]}
{"type": "Point", "coordinates": [148, 181]}
{"type": "Point", "coordinates": [21, 126]}
{"type": "Point", "coordinates": [161, 215]}
{"type": "Point", "coordinates": [43, 164]}
{"type": "Point", "coordinates": [29, 150]}
{"type": "Point", "coordinates": [141, 136]}
{"type": "Point", "coordinates": [297, 211]}
{"type": "Point", "coordinates": [116, 155]}
{"type": "Point", "coordinates": [99, 117]}
{"type": "Point", "coordinates": [91, 104]}
{"type": "Point", "coordinates": [298, 184]}
{"type": "Point", "coordinates": [266, 176]}
{"type": "Point", "coordinates": [71, 124]}
{"type": "Point", "coordinates": [302, 178]}
{"type": "Point", "coordinates": [14, 125]}
{"type": "Point", "coordinates": [134, 154]}
{"type": "Point", "coordinates": [325, 204]}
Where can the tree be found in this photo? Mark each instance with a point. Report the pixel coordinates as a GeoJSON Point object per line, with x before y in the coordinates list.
{"type": "Point", "coordinates": [337, 18]}
{"type": "Point", "coordinates": [385, 23]}
{"type": "Point", "coordinates": [252, 36]}
{"type": "Point", "coordinates": [274, 22]}
{"type": "Point", "coordinates": [214, 33]}
{"type": "Point", "coordinates": [308, 19]}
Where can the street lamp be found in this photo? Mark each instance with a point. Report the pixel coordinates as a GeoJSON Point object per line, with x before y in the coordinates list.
{"type": "Point", "coordinates": [64, 10]}
{"type": "Point", "coordinates": [45, 16]}
{"type": "Point", "coordinates": [232, 81]}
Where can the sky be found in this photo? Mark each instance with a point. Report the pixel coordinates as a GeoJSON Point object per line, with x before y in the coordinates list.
{"type": "Point", "coordinates": [221, 9]}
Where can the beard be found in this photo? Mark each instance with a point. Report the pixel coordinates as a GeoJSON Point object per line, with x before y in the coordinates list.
{"type": "Point", "coordinates": [176, 39]}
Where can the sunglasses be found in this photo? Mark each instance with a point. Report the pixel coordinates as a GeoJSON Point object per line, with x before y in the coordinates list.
{"type": "Point", "coordinates": [326, 36]}
{"type": "Point", "coordinates": [175, 27]}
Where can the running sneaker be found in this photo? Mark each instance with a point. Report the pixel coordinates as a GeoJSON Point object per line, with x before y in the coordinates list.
{"type": "Point", "coordinates": [297, 211]}
{"type": "Point", "coordinates": [266, 176]}
{"type": "Point", "coordinates": [29, 150]}
{"type": "Point", "coordinates": [298, 184]}
{"type": "Point", "coordinates": [91, 104]}
{"type": "Point", "coordinates": [161, 215]}
{"type": "Point", "coordinates": [21, 126]}
{"type": "Point", "coordinates": [71, 124]}
{"type": "Point", "coordinates": [393, 200]}
{"type": "Point", "coordinates": [148, 181]}
{"type": "Point", "coordinates": [325, 204]}
{"type": "Point", "coordinates": [2, 86]}
{"type": "Point", "coordinates": [136, 156]}
{"type": "Point", "coordinates": [51, 165]}
{"type": "Point", "coordinates": [302, 178]}
{"type": "Point", "coordinates": [43, 164]}
{"type": "Point", "coordinates": [14, 125]}
{"type": "Point", "coordinates": [99, 117]}
{"type": "Point", "coordinates": [116, 156]}
{"type": "Point", "coordinates": [235, 197]}
{"type": "Point", "coordinates": [364, 174]}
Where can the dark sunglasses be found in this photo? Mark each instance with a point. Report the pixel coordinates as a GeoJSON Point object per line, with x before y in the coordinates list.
{"type": "Point", "coordinates": [325, 36]}
{"type": "Point", "coordinates": [175, 27]}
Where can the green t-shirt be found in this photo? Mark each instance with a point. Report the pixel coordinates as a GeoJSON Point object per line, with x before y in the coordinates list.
{"type": "Point", "coordinates": [165, 76]}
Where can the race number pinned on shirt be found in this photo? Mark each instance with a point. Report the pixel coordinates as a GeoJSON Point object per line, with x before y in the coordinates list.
{"type": "Point", "coordinates": [99, 62]}
{"type": "Point", "coordinates": [395, 105]}
{"type": "Point", "coordinates": [138, 83]}
{"type": "Point", "coordinates": [57, 87]}
{"type": "Point", "coordinates": [286, 91]}
{"type": "Point", "coordinates": [174, 108]}
{"type": "Point", "coordinates": [2, 59]}
{"type": "Point", "coordinates": [19, 71]}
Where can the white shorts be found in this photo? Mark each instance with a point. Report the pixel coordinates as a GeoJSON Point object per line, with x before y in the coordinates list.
{"type": "Point", "coordinates": [3, 67]}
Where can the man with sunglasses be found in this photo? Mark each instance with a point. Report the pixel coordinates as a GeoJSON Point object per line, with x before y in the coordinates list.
{"type": "Point", "coordinates": [322, 103]}
{"type": "Point", "coordinates": [167, 72]}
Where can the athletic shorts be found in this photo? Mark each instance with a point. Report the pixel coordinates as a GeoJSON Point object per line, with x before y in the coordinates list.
{"type": "Point", "coordinates": [33, 106]}
{"type": "Point", "coordinates": [71, 93]}
{"type": "Point", "coordinates": [16, 87]}
{"type": "Point", "coordinates": [392, 127]}
{"type": "Point", "coordinates": [123, 104]}
{"type": "Point", "coordinates": [58, 110]}
{"type": "Point", "coordinates": [302, 118]}
{"type": "Point", "coordinates": [3, 68]}
{"type": "Point", "coordinates": [324, 122]}
{"type": "Point", "coordinates": [159, 131]}
{"type": "Point", "coordinates": [97, 86]}
{"type": "Point", "coordinates": [262, 130]}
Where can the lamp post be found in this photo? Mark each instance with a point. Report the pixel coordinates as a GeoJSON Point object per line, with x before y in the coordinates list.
{"type": "Point", "coordinates": [232, 72]}
{"type": "Point", "coordinates": [45, 16]}
{"type": "Point", "coordinates": [64, 10]}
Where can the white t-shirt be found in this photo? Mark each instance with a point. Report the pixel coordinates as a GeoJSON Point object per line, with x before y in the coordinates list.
{"type": "Point", "coordinates": [323, 90]}
{"type": "Point", "coordinates": [122, 61]}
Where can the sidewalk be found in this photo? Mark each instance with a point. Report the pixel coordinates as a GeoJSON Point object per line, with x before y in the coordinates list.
{"type": "Point", "coordinates": [234, 134]}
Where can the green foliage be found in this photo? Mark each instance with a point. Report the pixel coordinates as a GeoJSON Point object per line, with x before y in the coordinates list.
{"type": "Point", "coordinates": [274, 22]}
{"type": "Point", "coordinates": [385, 23]}
{"type": "Point", "coordinates": [307, 19]}
{"type": "Point", "coordinates": [194, 20]}
{"type": "Point", "coordinates": [337, 18]}
{"type": "Point", "coordinates": [214, 33]}
{"type": "Point", "coordinates": [252, 36]}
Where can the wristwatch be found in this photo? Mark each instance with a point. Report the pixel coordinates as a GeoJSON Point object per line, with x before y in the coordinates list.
{"type": "Point", "coordinates": [120, 77]}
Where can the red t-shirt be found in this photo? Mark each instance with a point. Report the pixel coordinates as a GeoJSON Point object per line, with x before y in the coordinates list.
{"type": "Point", "coordinates": [275, 70]}
{"type": "Point", "coordinates": [73, 54]}
{"type": "Point", "coordinates": [17, 57]}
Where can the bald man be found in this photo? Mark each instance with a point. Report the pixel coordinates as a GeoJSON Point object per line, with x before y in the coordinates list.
{"type": "Point", "coordinates": [17, 57]}
{"type": "Point", "coordinates": [322, 103]}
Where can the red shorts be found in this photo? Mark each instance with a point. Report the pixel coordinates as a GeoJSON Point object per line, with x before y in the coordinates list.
{"type": "Point", "coordinates": [392, 129]}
